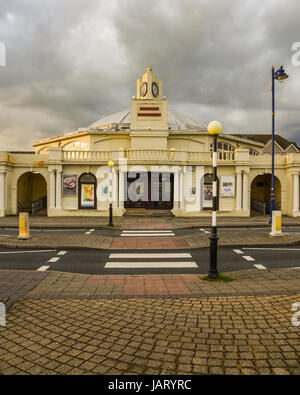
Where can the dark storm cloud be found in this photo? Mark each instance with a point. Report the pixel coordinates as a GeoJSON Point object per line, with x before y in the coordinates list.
{"type": "Point", "coordinates": [69, 63]}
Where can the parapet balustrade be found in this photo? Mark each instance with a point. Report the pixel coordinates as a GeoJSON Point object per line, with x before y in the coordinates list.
{"type": "Point", "coordinates": [147, 155]}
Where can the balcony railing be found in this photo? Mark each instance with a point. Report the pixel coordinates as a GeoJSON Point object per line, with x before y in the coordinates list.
{"type": "Point", "coordinates": [147, 155]}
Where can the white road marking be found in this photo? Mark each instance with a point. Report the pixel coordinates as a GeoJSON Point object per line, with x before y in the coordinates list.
{"type": "Point", "coordinates": [248, 258]}
{"type": "Point", "coordinates": [52, 260]}
{"type": "Point", "coordinates": [272, 249]}
{"type": "Point", "coordinates": [147, 231]}
{"type": "Point", "coordinates": [43, 268]}
{"type": "Point", "coordinates": [25, 252]}
{"type": "Point", "coordinates": [142, 265]}
{"type": "Point", "coordinates": [88, 233]}
{"type": "Point", "coordinates": [259, 267]}
{"type": "Point", "coordinates": [62, 252]}
{"type": "Point", "coordinates": [146, 234]}
{"type": "Point", "coordinates": [238, 251]}
{"type": "Point", "coordinates": [154, 255]}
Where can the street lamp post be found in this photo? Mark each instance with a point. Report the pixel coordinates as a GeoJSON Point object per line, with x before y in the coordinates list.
{"type": "Point", "coordinates": [279, 75]}
{"type": "Point", "coordinates": [111, 165]}
{"type": "Point", "coordinates": [214, 129]}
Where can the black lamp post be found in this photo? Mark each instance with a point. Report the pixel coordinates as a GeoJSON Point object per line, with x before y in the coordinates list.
{"type": "Point", "coordinates": [214, 129]}
{"type": "Point", "coordinates": [111, 165]}
{"type": "Point", "coordinates": [279, 75]}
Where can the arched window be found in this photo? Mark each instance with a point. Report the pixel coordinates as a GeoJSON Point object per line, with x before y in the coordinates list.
{"type": "Point", "coordinates": [253, 152]}
{"type": "Point", "coordinates": [222, 146]}
{"type": "Point", "coordinates": [87, 196]}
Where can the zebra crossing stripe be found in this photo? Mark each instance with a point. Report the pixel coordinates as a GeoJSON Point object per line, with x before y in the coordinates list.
{"type": "Point", "coordinates": [147, 231]}
{"type": "Point", "coordinates": [146, 234]}
{"type": "Point", "coordinates": [142, 265]}
{"type": "Point", "coordinates": [149, 255]}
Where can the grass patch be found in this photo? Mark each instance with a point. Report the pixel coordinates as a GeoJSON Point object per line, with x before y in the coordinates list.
{"type": "Point", "coordinates": [221, 278]}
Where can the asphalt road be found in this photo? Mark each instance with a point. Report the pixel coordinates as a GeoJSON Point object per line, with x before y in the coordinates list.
{"type": "Point", "coordinates": [118, 232]}
{"type": "Point", "coordinates": [140, 262]}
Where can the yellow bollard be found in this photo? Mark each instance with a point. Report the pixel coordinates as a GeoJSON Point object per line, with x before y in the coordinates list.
{"type": "Point", "coordinates": [24, 226]}
{"type": "Point", "coordinates": [276, 224]}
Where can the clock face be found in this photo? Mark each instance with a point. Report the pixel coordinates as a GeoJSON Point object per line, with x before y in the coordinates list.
{"type": "Point", "coordinates": [144, 89]}
{"type": "Point", "coordinates": [155, 89]}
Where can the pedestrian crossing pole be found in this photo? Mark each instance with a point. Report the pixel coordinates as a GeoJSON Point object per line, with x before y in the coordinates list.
{"type": "Point", "coordinates": [111, 165]}
{"type": "Point", "coordinates": [214, 129]}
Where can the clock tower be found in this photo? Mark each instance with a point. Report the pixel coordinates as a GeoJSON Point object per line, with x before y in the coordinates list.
{"type": "Point", "coordinates": [149, 109]}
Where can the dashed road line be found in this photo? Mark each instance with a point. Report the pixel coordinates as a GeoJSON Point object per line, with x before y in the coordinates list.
{"type": "Point", "coordinates": [43, 268]}
{"type": "Point", "coordinates": [261, 267]}
{"type": "Point", "coordinates": [248, 258]}
{"type": "Point", "coordinates": [89, 231]}
{"type": "Point", "coordinates": [53, 260]}
{"type": "Point", "coordinates": [238, 251]}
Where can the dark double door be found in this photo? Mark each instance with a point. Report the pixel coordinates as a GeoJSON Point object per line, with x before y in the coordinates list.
{"type": "Point", "coordinates": [149, 191]}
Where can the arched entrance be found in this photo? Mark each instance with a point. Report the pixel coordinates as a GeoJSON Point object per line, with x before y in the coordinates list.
{"type": "Point", "coordinates": [87, 196]}
{"type": "Point", "coordinates": [32, 194]}
{"type": "Point", "coordinates": [261, 194]}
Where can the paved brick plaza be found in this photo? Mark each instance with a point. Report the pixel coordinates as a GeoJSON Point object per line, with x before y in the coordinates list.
{"type": "Point", "coordinates": [80, 324]}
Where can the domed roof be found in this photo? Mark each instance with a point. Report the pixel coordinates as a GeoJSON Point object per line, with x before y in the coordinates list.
{"type": "Point", "coordinates": [176, 121]}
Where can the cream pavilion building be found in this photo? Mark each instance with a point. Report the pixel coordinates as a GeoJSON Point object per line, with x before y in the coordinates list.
{"type": "Point", "coordinates": [162, 160]}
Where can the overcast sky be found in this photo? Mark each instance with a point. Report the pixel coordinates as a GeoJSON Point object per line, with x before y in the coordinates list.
{"type": "Point", "coordinates": [68, 63]}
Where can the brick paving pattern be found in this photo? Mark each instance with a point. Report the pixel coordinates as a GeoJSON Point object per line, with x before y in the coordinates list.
{"type": "Point", "coordinates": [222, 335]}
{"type": "Point", "coordinates": [149, 243]}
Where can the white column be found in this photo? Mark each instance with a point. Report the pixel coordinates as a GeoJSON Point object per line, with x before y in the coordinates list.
{"type": "Point", "coordinates": [52, 189]}
{"type": "Point", "coordinates": [176, 190]}
{"type": "Point", "coordinates": [121, 189]}
{"type": "Point", "coordinates": [181, 190]}
{"type": "Point", "coordinates": [245, 191]}
{"type": "Point", "coordinates": [58, 190]}
{"type": "Point", "coordinates": [238, 191]}
{"type": "Point", "coordinates": [2, 194]}
{"type": "Point", "coordinates": [115, 189]}
{"type": "Point", "coordinates": [296, 193]}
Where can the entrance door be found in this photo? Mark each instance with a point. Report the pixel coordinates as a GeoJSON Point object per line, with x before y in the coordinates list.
{"type": "Point", "coordinates": [154, 191]}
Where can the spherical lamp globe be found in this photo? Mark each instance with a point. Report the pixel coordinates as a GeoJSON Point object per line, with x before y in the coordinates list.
{"type": "Point", "coordinates": [215, 127]}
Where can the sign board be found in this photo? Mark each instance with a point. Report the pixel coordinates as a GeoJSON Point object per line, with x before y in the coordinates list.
{"type": "Point", "coordinates": [227, 186]}
{"type": "Point", "coordinates": [69, 185]}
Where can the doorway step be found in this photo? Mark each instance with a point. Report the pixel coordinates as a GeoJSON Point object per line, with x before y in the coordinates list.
{"type": "Point", "coordinates": [147, 213]}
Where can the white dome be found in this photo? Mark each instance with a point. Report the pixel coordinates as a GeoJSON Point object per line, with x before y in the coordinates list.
{"type": "Point", "coordinates": [176, 121]}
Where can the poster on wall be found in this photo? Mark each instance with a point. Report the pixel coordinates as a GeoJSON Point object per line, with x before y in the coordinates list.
{"type": "Point", "coordinates": [207, 195]}
{"type": "Point", "coordinates": [69, 185]}
{"type": "Point", "coordinates": [227, 186]}
{"type": "Point", "coordinates": [87, 195]}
